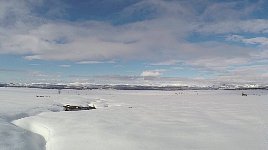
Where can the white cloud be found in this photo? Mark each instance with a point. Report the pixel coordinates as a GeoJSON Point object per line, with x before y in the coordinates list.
{"type": "Point", "coordinates": [95, 62]}
{"type": "Point", "coordinates": [246, 74]}
{"type": "Point", "coordinates": [92, 40]}
{"type": "Point", "coordinates": [32, 57]}
{"type": "Point", "coordinates": [166, 63]}
{"type": "Point", "coordinates": [34, 64]}
{"type": "Point", "coordinates": [235, 38]}
{"type": "Point", "coordinates": [152, 73]}
{"type": "Point", "coordinates": [160, 37]}
{"type": "Point", "coordinates": [11, 70]}
{"type": "Point", "coordinates": [263, 41]}
{"type": "Point", "coordinates": [234, 26]}
{"type": "Point", "coordinates": [65, 66]}
{"type": "Point", "coordinates": [38, 74]}
{"type": "Point", "coordinates": [96, 41]}
{"type": "Point", "coordinates": [12, 8]}
{"type": "Point", "coordinates": [159, 8]}
{"type": "Point", "coordinates": [218, 63]}
{"type": "Point", "coordinates": [257, 40]}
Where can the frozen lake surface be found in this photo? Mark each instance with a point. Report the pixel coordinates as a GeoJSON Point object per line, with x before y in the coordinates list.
{"type": "Point", "coordinates": [146, 120]}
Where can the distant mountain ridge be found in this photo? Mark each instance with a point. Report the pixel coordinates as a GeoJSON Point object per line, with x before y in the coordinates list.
{"type": "Point", "coordinates": [84, 86]}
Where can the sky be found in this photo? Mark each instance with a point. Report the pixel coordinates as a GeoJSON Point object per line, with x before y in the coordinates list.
{"type": "Point", "coordinates": [133, 40]}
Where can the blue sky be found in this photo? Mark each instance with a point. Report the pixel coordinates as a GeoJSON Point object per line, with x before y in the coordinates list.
{"type": "Point", "coordinates": [84, 40]}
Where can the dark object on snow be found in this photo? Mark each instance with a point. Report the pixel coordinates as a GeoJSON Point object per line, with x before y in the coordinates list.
{"type": "Point", "coordinates": [243, 94]}
{"type": "Point", "coordinates": [77, 108]}
{"type": "Point", "coordinates": [40, 96]}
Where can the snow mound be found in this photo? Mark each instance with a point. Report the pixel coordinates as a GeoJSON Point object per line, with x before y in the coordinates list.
{"type": "Point", "coordinates": [33, 126]}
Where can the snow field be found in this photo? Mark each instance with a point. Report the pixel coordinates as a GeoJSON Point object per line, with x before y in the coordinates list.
{"type": "Point", "coordinates": [151, 120]}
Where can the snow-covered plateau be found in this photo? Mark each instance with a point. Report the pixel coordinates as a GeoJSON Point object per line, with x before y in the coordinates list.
{"type": "Point", "coordinates": [33, 119]}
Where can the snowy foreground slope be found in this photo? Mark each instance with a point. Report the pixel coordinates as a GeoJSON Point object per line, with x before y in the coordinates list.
{"type": "Point", "coordinates": [147, 120]}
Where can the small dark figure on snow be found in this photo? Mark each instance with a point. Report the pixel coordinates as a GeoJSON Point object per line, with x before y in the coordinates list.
{"type": "Point", "coordinates": [243, 94]}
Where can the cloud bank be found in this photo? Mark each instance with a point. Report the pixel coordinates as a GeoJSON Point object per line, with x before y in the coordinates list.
{"type": "Point", "coordinates": [211, 35]}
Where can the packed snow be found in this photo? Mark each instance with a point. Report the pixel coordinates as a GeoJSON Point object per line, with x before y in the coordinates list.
{"type": "Point", "coordinates": [32, 119]}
